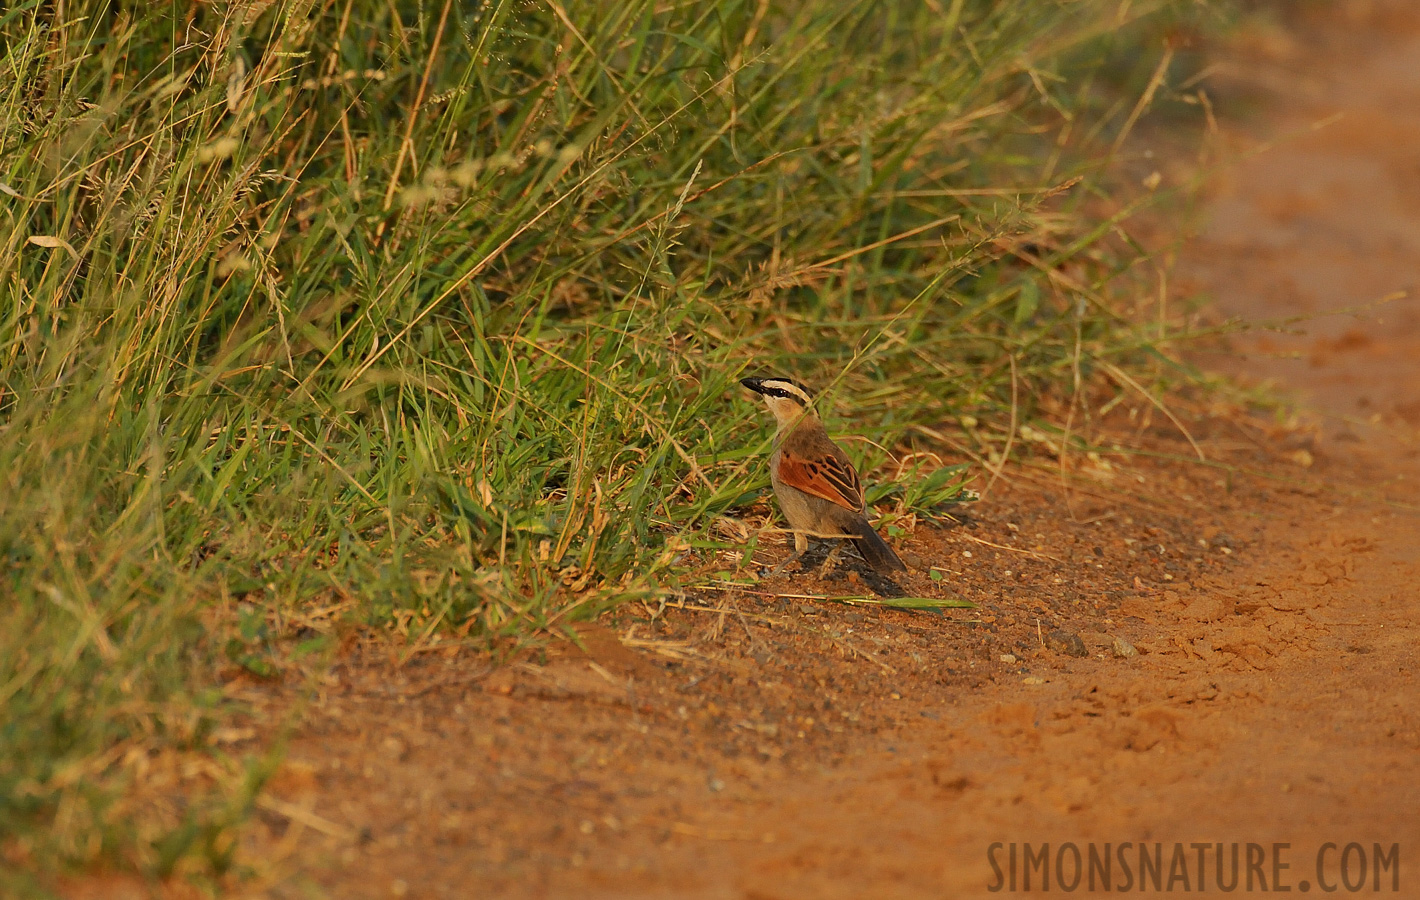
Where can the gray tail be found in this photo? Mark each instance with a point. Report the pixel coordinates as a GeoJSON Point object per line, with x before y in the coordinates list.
{"type": "Point", "coordinates": [874, 549]}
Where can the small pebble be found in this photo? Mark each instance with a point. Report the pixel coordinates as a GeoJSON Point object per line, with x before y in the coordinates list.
{"type": "Point", "coordinates": [1066, 642]}
{"type": "Point", "coordinates": [1123, 649]}
{"type": "Point", "coordinates": [1033, 679]}
{"type": "Point", "coordinates": [1008, 657]}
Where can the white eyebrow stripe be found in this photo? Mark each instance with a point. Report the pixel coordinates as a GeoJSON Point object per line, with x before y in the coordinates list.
{"type": "Point", "coordinates": [787, 389]}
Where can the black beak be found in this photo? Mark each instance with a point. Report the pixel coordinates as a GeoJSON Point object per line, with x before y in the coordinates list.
{"type": "Point", "coordinates": [754, 384]}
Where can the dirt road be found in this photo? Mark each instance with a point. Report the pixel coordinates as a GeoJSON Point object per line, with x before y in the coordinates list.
{"type": "Point", "coordinates": [764, 746]}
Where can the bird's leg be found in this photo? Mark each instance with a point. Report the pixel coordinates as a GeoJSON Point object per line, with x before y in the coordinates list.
{"type": "Point", "coordinates": [801, 545]}
{"type": "Point", "coordinates": [831, 561]}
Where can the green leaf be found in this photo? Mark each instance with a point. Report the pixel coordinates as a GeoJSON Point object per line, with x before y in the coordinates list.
{"type": "Point", "coordinates": [945, 485]}
{"type": "Point", "coordinates": [317, 644]}
{"type": "Point", "coordinates": [1027, 301]}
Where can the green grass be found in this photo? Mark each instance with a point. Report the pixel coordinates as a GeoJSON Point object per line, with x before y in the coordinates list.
{"type": "Point", "coordinates": [436, 312]}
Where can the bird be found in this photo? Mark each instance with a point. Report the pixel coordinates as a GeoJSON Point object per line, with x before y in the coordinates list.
{"type": "Point", "coordinates": [816, 484]}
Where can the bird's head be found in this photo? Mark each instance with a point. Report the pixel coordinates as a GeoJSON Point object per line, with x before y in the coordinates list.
{"type": "Point", "coordinates": [788, 400]}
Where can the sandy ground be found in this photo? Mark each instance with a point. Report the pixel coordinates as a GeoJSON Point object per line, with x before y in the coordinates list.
{"type": "Point", "coordinates": [1185, 659]}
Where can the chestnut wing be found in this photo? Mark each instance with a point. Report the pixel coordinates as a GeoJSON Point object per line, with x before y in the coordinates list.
{"type": "Point", "coordinates": [829, 477]}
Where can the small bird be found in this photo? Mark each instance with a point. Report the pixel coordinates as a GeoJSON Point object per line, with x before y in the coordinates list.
{"type": "Point", "coordinates": [816, 485]}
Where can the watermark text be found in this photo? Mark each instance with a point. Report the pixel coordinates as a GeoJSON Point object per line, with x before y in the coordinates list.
{"type": "Point", "coordinates": [1194, 867]}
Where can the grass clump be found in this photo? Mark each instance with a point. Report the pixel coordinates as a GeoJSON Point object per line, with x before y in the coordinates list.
{"type": "Point", "coordinates": [432, 314]}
